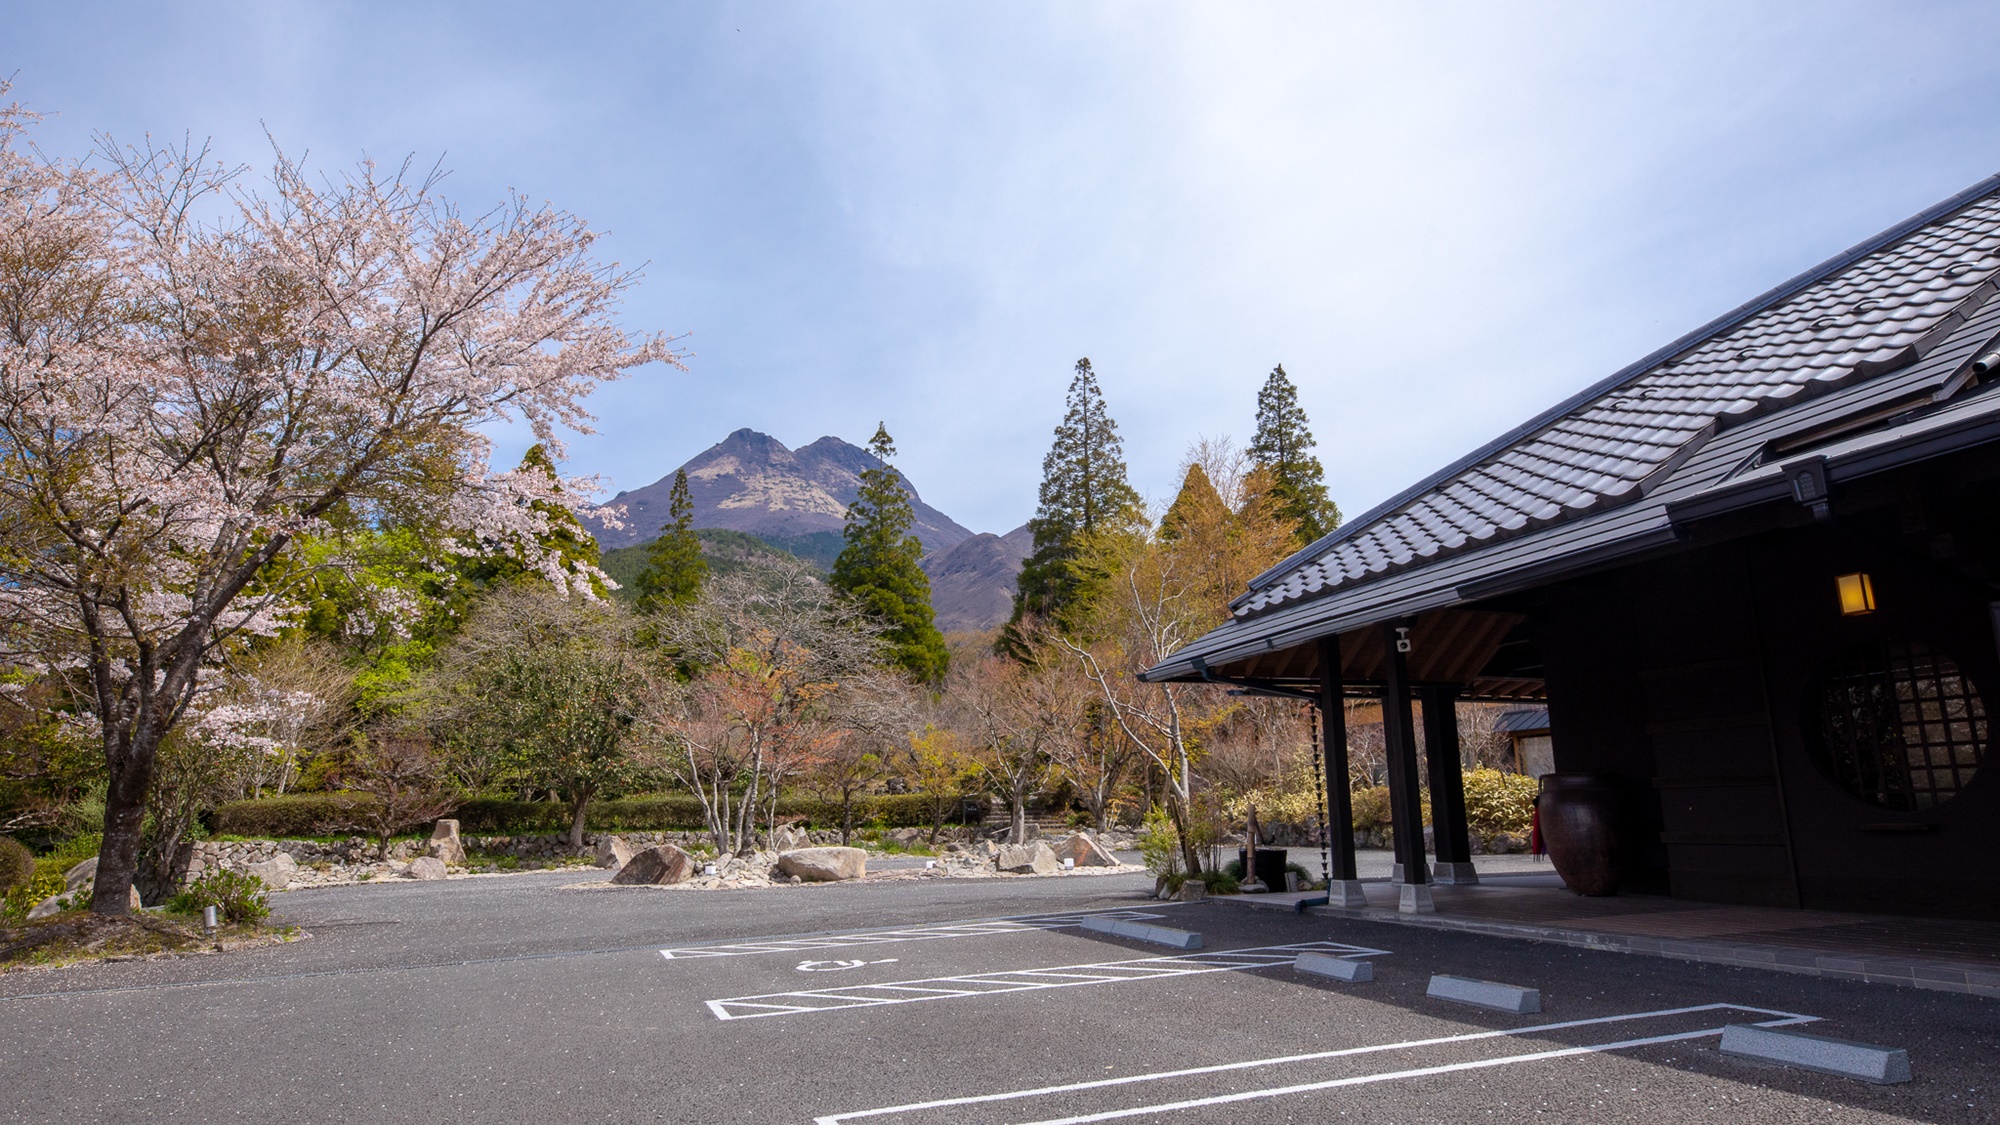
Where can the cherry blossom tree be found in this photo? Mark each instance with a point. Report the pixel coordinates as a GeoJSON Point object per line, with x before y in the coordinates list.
{"type": "Point", "coordinates": [196, 372]}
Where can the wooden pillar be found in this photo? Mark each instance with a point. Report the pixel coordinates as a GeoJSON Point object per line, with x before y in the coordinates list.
{"type": "Point", "coordinates": [1450, 838]}
{"type": "Point", "coordinates": [1343, 880]}
{"type": "Point", "coordinates": [1406, 809]}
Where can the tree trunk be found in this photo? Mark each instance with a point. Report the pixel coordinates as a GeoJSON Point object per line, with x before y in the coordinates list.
{"type": "Point", "coordinates": [1177, 812]}
{"type": "Point", "coordinates": [129, 757]}
{"type": "Point", "coordinates": [1017, 820]}
{"type": "Point", "coordinates": [576, 810]}
{"type": "Point", "coordinates": [846, 818]}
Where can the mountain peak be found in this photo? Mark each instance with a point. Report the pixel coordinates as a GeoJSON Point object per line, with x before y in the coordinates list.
{"type": "Point", "coordinates": [749, 481]}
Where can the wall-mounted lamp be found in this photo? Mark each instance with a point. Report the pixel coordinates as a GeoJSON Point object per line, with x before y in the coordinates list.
{"type": "Point", "coordinates": [1402, 639]}
{"type": "Point", "coordinates": [1857, 594]}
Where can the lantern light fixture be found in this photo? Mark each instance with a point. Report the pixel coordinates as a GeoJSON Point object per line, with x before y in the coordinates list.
{"type": "Point", "coordinates": [1857, 594]}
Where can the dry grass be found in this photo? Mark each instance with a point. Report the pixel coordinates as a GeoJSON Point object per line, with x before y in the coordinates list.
{"type": "Point", "coordinates": [80, 937]}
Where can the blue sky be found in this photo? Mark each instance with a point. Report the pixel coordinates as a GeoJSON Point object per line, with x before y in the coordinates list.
{"type": "Point", "coordinates": [1441, 218]}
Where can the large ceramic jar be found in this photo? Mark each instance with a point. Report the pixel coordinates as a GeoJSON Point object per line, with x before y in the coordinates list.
{"type": "Point", "coordinates": [1579, 821]}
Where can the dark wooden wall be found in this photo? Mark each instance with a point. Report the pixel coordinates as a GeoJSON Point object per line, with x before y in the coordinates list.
{"type": "Point", "coordinates": [1687, 678]}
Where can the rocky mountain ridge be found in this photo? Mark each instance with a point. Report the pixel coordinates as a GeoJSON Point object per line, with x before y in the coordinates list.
{"type": "Point", "coordinates": [795, 500]}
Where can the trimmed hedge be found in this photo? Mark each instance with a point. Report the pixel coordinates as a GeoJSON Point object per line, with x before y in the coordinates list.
{"type": "Point", "coordinates": [294, 814]}
{"type": "Point", "coordinates": [328, 814]}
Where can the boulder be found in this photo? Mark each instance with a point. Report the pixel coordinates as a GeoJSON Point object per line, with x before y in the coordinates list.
{"type": "Point", "coordinates": [80, 874]}
{"type": "Point", "coordinates": [789, 838]}
{"type": "Point", "coordinates": [426, 867]}
{"type": "Point", "coordinates": [613, 852]}
{"type": "Point", "coordinates": [1035, 858]}
{"type": "Point", "coordinates": [1086, 851]}
{"type": "Point", "coordinates": [663, 863]}
{"type": "Point", "coordinates": [908, 836]}
{"type": "Point", "coordinates": [445, 844]}
{"type": "Point", "coordinates": [1194, 890]}
{"type": "Point", "coordinates": [81, 896]}
{"type": "Point", "coordinates": [275, 873]}
{"type": "Point", "coordinates": [824, 865]}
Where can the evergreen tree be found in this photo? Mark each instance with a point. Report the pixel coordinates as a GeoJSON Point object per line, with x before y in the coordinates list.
{"type": "Point", "coordinates": [1196, 505]}
{"type": "Point", "coordinates": [878, 567]}
{"type": "Point", "coordinates": [675, 568]}
{"type": "Point", "coordinates": [1284, 446]}
{"type": "Point", "coordinates": [1084, 491]}
{"type": "Point", "coordinates": [571, 545]}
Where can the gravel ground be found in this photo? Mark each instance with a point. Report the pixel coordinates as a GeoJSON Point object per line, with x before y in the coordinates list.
{"type": "Point", "coordinates": [545, 997]}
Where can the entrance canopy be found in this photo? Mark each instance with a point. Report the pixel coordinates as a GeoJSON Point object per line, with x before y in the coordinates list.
{"type": "Point", "coordinates": [1873, 360]}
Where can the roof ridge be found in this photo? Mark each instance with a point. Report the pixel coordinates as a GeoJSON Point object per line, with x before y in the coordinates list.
{"type": "Point", "coordinates": [1628, 373]}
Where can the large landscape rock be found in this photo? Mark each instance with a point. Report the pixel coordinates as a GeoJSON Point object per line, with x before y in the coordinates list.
{"type": "Point", "coordinates": [80, 874]}
{"type": "Point", "coordinates": [613, 852]}
{"type": "Point", "coordinates": [276, 872]}
{"type": "Point", "coordinates": [426, 867]}
{"type": "Point", "coordinates": [824, 865]}
{"type": "Point", "coordinates": [1035, 858]}
{"type": "Point", "coordinates": [652, 866]}
{"type": "Point", "coordinates": [445, 844]}
{"type": "Point", "coordinates": [1086, 851]}
{"type": "Point", "coordinates": [81, 895]}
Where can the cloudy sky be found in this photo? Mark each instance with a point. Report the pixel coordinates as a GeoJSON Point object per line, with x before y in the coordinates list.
{"type": "Point", "coordinates": [1440, 218]}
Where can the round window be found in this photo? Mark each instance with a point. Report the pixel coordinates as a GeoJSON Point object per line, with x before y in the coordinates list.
{"type": "Point", "coordinates": [1896, 724]}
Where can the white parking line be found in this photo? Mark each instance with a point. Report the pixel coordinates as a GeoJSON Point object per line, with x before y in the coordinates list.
{"type": "Point", "coordinates": [984, 928]}
{"type": "Point", "coordinates": [1778, 1019]}
{"type": "Point", "coordinates": [1022, 980]}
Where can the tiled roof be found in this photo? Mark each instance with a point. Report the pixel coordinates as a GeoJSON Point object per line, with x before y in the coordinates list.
{"type": "Point", "coordinates": [1875, 308]}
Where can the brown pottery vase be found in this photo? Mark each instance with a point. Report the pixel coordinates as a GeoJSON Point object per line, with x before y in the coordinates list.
{"type": "Point", "coordinates": [1579, 819]}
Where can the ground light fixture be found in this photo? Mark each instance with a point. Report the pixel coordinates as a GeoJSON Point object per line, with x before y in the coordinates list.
{"type": "Point", "coordinates": [1857, 594]}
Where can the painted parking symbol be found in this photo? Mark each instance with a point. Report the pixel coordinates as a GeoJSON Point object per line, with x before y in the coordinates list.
{"type": "Point", "coordinates": [836, 966]}
{"type": "Point", "coordinates": [808, 1001]}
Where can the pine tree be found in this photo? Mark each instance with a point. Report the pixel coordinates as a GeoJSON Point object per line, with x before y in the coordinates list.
{"type": "Point", "coordinates": [1084, 491]}
{"type": "Point", "coordinates": [675, 568]}
{"type": "Point", "coordinates": [879, 568]}
{"type": "Point", "coordinates": [1284, 446]}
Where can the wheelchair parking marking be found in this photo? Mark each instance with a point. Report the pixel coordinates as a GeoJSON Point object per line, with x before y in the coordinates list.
{"type": "Point", "coordinates": [1777, 1018]}
{"type": "Point", "coordinates": [1022, 980]}
{"type": "Point", "coordinates": [932, 932]}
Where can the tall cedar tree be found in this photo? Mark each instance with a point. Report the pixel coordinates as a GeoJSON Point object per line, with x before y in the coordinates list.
{"type": "Point", "coordinates": [1084, 490]}
{"type": "Point", "coordinates": [1284, 445]}
{"type": "Point", "coordinates": [879, 568]}
{"type": "Point", "coordinates": [675, 569]}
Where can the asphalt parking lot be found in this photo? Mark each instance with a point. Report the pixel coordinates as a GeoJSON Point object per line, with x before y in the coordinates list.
{"type": "Point", "coordinates": [547, 998]}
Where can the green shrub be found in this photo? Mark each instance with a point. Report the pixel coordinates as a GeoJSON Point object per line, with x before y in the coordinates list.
{"type": "Point", "coordinates": [1371, 809]}
{"type": "Point", "coordinates": [325, 814]}
{"type": "Point", "coordinates": [1221, 883]}
{"type": "Point", "coordinates": [294, 814]}
{"type": "Point", "coordinates": [17, 866]}
{"type": "Point", "coordinates": [23, 898]}
{"type": "Point", "coordinates": [76, 849]}
{"type": "Point", "coordinates": [1160, 845]}
{"type": "Point", "coordinates": [1499, 802]}
{"type": "Point", "coordinates": [239, 898]}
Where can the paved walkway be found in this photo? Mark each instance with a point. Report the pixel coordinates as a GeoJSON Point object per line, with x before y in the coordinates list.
{"type": "Point", "coordinates": [1514, 900]}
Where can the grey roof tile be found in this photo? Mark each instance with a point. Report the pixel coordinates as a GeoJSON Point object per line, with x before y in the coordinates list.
{"type": "Point", "coordinates": [1879, 306]}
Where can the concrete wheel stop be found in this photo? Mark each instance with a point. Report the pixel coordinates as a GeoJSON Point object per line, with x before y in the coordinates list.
{"type": "Point", "coordinates": [1883, 1066]}
{"type": "Point", "coordinates": [1336, 968]}
{"type": "Point", "coordinates": [1158, 935]}
{"type": "Point", "coordinates": [1487, 994]}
